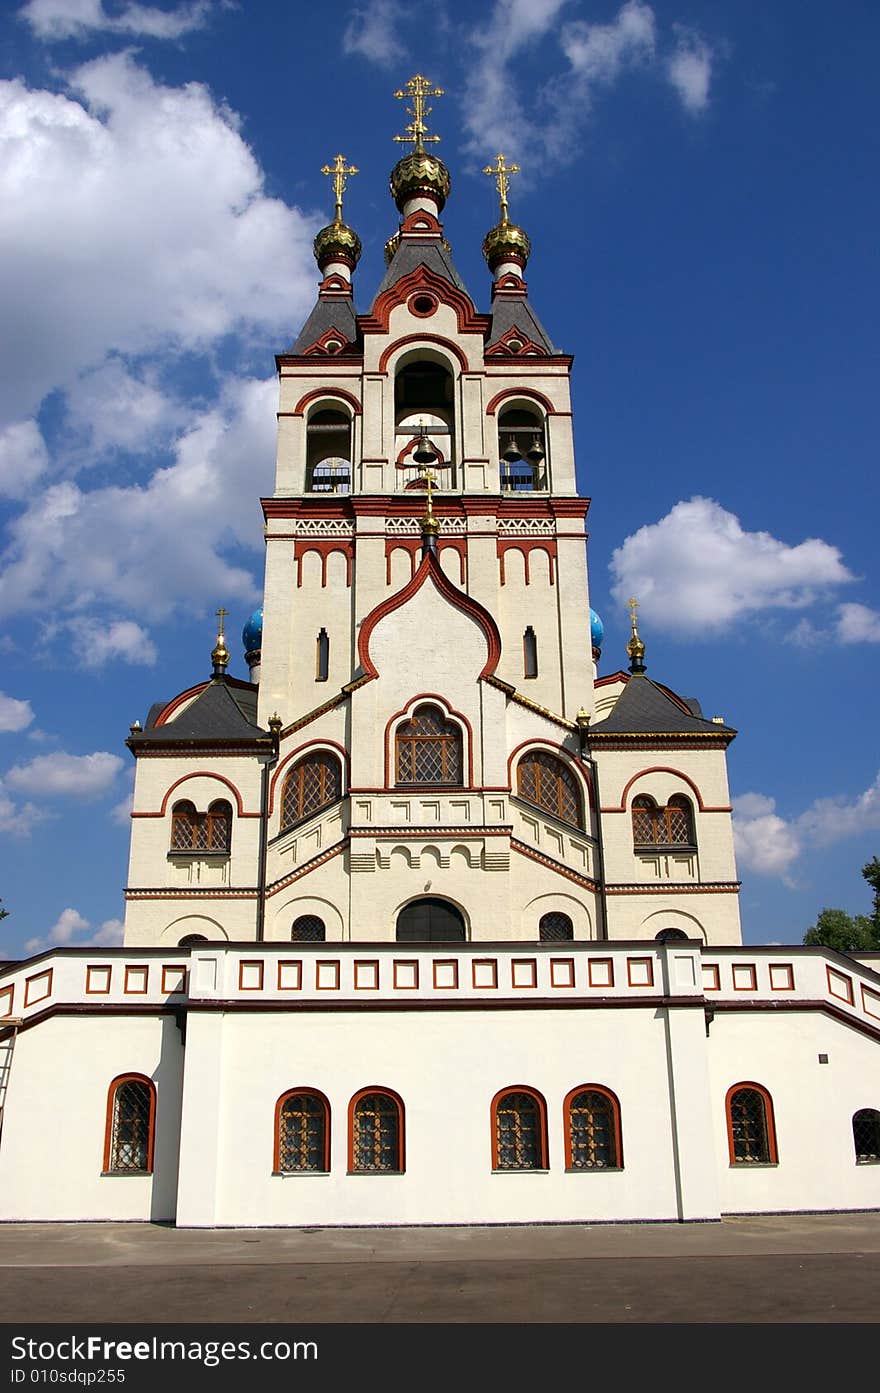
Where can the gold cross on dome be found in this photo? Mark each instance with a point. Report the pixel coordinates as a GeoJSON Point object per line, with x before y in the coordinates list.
{"type": "Point", "coordinates": [340, 172]}
{"type": "Point", "coordinates": [502, 174]}
{"type": "Point", "coordinates": [417, 89]}
{"type": "Point", "coordinates": [633, 606]}
{"type": "Point", "coordinates": [221, 615]}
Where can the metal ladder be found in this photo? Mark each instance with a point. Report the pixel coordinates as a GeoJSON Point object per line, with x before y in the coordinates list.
{"type": "Point", "coordinates": [8, 1034]}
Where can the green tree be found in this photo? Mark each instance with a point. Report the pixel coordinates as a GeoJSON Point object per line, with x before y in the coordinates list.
{"type": "Point", "coordinates": [850, 933]}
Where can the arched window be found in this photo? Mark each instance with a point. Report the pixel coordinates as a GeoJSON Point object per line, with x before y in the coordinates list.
{"type": "Point", "coordinates": [428, 749]}
{"type": "Point", "coordinates": [521, 450]}
{"type": "Point", "coordinates": [302, 1132]}
{"type": "Point", "coordinates": [430, 920]}
{"type": "Point", "coordinates": [670, 826]}
{"type": "Point", "coordinates": [866, 1135]}
{"type": "Point", "coordinates": [308, 928]}
{"type": "Point", "coordinates": [131, 1121]}
{"type": "Point", "coordinates": [424, 397]}
{"type": "Point", "coordinates": [592, 1129]}
{"type": "Point", "coordinates": [751, 1133]}
{"type": "Point", "coordinates": [314, 782]}
{"type": "Point", "coordinates": [519, 1131]}
{"type": "Point", "coordinates": [195, 833]}
{"type": "Point", "coordinates": [555, 927]}
{"type": "Point", "coordinates": [670, 936]}
{"type": "Point", "coordinates": [376, 1133]}
{"type": "Point", "coordinates": [190, 940]}
{"type": "Point", "coordinates": [549, 784]}
{"type": "Point", "coordinates": [328, 451]}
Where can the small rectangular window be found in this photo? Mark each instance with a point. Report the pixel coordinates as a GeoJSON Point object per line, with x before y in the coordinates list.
{"type": "Point", "coordinates": [322, 657]}
{"type": "Point", "coordinates": [530, 653]}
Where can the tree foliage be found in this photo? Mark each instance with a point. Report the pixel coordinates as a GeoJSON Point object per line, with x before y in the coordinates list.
{"type": "Point", "coordinates": [850, 933]}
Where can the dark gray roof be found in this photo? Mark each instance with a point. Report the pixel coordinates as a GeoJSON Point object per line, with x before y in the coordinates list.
{"type": "Point", "coordinates": [327, 314]}
{"type": "Point", "coordinates": [510, 312]}
{"type": "Point", "coordinates": [220, 712]}
{"type": "Point", "coordinates": [645, 708]}
{"type": "Point", "coordinates": [409, 255]}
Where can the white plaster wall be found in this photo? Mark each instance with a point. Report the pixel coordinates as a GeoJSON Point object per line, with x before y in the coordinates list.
{"type": "Point", "coordinates": [447, 1067]}
{"type": "Point", "coordinates": [52, 1147]}
{"type": "Point", "coordinates": [813, 1105]}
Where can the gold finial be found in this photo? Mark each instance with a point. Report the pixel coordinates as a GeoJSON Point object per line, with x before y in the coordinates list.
{"type": "Point", "coordinates": [502, 173]}
{"type": "Point", "coordinates": [417, 89]}
{"type": "Point", "coordinates": [635, 648]}
{"type": "Point", "coordinates": [430, 524]}
{"type": "Point", "coordinates": [340, 172]}
{"type": "Point", "coordinates": [220, 653]}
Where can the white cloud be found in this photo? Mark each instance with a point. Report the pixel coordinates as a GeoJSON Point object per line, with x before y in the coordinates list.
{"type": "Point", "coordinates": [689, 69]}
{"type": "Point", "coordinates": [68, 931]}
{"type": "Point", "coordinates": [14, 714]}
{"type": "Point", "coordinates": [769, 844]}
{"type": "Point", "coordinates": [18, 819]}
{"type": "Point", "coordinates": [857, 624]}
{"type": "Point", "coordinates": [599, 52]}
{"type": "Point", "coordinates": [66, 19]}
{"type": "Point", "coordinates": [23, 458]}
{"type": "Point", "coordinates": [373, 32]}
{"type": "Point", "coordinates": [95, 642]}
{"type": "Point", "coordinates": [833, 819]}
{"type": "Point", "coordinates": [698, 569]}
{"type": "Point", "coordinates": [64, 775]}
{"type": "Point", "coordinates": [113, 408]}
{"type": "Point", "coordinates": [133, 218]}
{"type": "Point", "coordinates": [160, 542]}
{"type": "Point", "coordinates": [765, 842]}
{"type": "Point", "coordinates": [593, 56]}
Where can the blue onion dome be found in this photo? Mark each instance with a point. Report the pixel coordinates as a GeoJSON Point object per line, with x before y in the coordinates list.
{"type": "Point", "coordinates": [252, 633]}
{"type": "Point", "coordinates": [597, 629]}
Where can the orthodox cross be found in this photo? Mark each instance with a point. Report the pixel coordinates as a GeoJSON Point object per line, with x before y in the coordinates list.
{"type": "Point", "coordinates": [633, 605]}
{"type": "Point", "coordinates": [502, 174]}
{"type": "Point", "coordinates": [341, 172]}
{"type": "Point", "coordinates": [417, 89]}
{"type": "Point", "coordinates": [221, 615]}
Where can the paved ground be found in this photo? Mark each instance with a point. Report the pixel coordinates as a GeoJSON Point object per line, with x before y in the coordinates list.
{"type": "Point", "coordinates": [780, 1269]}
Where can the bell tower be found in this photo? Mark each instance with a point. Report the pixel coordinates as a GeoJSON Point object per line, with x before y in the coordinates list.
{"type": "Point", "coordinates": [420, 750]}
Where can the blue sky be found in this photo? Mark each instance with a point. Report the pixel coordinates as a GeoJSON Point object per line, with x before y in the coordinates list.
{"type": "Point", "coordinates": [700, 186]}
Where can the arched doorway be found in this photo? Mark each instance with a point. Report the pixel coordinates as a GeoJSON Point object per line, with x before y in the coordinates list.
{"type": "Point", "coordinates": [430, 920]}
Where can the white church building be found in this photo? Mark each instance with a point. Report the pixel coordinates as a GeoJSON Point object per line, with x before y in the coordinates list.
{"type": "Point", "coordinates": [429, 922]}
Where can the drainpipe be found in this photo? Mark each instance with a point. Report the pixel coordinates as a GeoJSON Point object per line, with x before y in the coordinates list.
{"type": "Point", "coordinates": [583, 724]}
{"type": "Point", "coordinates": [268, 766]}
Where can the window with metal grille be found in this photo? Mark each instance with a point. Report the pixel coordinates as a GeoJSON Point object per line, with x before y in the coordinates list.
{"type": "Point", "coordinates": [302, 1132]}
{"type": "Point", "coordinates": [866, 1135]}
{"type": "Point", "coordinates": [196, 832]}
{"type": "Point", "coordinates": [308, 928]}
{"type": "Point", "coordinates": [670, 826]}
{"type": "Point", "coordinates": [313, 783]}
{"type": "Point", "coordinates": [555, 927]}
{"type": "Point", "coordinates": [750, 1126]}
{"type": "Point", "coordinates": [376, 1133]}
{"type": "Point", "coordinates": [592, 1130]}
{"type": "Point", "coordinates": [428, 749]}
{"type": "Point", "coordinates": [128, 1143]}
{"type": "Point", "coordinates": [519, 1131]}
{"type": "Point", "coordinates": [546, 782]}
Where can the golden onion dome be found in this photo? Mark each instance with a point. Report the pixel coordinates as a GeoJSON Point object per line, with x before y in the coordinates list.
{"type": "Point", "coordinates": [420, 175]}
{"type": "Point", "coordinates": [506, 242]}
{"type": "Point", "coordinates": [337, 242]}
